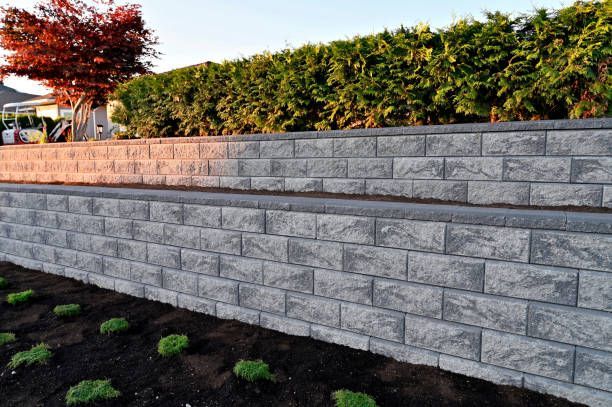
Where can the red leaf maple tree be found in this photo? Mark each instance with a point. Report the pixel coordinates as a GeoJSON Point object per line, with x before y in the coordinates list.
{"type": "Point", "coordinates": [80, 49]}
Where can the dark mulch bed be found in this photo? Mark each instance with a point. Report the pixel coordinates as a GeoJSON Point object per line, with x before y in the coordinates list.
{"type": "Point", "coordinates": [307, 370]}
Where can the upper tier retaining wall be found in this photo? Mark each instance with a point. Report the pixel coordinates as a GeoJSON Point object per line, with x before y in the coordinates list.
{"type": "Point", "coordinates": [545, 163]}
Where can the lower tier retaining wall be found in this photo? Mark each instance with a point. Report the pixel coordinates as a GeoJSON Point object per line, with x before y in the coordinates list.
{"type": "Point", "coordinates": [516, 297]}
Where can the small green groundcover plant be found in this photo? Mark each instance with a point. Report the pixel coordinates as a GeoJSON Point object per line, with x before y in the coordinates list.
{"type": "Point", "coordinates": [7, 337]}
{"type": "Point", "coordinates": [114, 325]}
{"type": "Point", "coordinates": [90, 391]}
{"type": "Point", "coordinates": [39, 354]}
{"type": "Point", "coordinates": [20, 298]}
{"type": "Point", "coordinates": [67, 310]}
{"type": "Point", "coordinates": [253, 370]}
{"type": "Point", "coordinates": [172, 345]}
{"type": "Point", "coordinates": [346, 398]}
{"type": "Point", "coordinates": [3, 282]}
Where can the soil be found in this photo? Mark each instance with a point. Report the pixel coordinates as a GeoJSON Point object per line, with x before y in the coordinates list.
{"type": "Point", "coordinates": [386, 198]}
{"type": "Point", "coordinates": [307, 371]}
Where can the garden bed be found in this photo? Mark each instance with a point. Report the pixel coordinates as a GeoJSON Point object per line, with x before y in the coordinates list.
{"type": "Point", "coordinates": [307, 371]}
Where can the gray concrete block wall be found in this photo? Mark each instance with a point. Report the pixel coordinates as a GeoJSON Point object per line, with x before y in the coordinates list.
{"type": "Point", "coordinates": [512, 296]}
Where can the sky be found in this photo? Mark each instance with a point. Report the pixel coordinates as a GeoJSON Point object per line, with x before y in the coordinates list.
{"type": "Point", "coordinates": [195, 31]}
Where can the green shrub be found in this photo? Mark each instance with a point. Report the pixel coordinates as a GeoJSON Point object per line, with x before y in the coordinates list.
{"type": "Point", "coordinates": [346, 398]}
{"type": "Point", "coordinates": [67, 310]}
{"type": "Point", "coordinates": [39, 354]}
{"type": "Point", "coordinates": [90, 391]}
{"type": "Point", "coordinates": [545, 64]}
{"type": "Point", "coordinates": [114, 325]}
{"type": "Point", "coordinates": [253, 370]}
{"type": "Point", "coordinates": [172, 345]}
{"type": "Point", "coordinates": [3, 283]}
{"type": "Point", "coordinates": [20, 298]}
{"type": "Point", "coordinates": [7, 337]}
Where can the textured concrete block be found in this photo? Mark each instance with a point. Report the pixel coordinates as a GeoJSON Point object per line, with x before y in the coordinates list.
{"type": "Point", "coordinates": [241, 183]}
{"type": "Point", "coordinates": [375, 261]}
{"type": "Point", "coordinates": [407, 297]}
{"type": "Point", "coordinates": [238, 268]}
{"type": "Point", "coordinates": [213, 150]}
{"type": "Point", "coordinates": [482, 371]}
{"type": "Point", "coordinates": [166, 212]}
{"type": "Point", "coordinates": [588, 328]}
{"type": "Point", "coordinates": [572, 250]}
{"type": "Point", "coordinates": [446, 271]}
{"type": "Point", "coordinates": [418, 168]}
{"type": "Point", "coordinates": [268, 184]}
{"type": "Point", "coordinates": [514, 143]}
{"type": "Point", "coordinates": [548, 284]}
{"type": "Point", "coordinates": [537, 169]}
{"type": "Point", "coordinates": [474, 168]}
{"type": "Point", "coordinates": [572, 392]}
{"type": "Point", "coordinates": [276, 148]}
{"type": "Point", "coordinates": [313, 309]}
{"type": "Point", "coordinates": [579, 142]}
{"type": "Point", "coordinates": [370, 168]}
{"type": "Point", "coordinates": [490, 192]}
{"type": "Point", "coordinates": [372, 322]}
{"type": "Point", "coordinates": [403, 353]}
{"type": "Point", "coordinates": [355, 147]}
{"type": "Point", "coordinates": [488, 311]}
{"type": "Point", "coordinates": [289, 168]}
{"type": "Point", "coordinates": [350, 229]}
{"type": "Point", "coordinates": [146, 274]}
{"type": "Point", "coordinates": [262, 298]}
{"type": "Point", "coordinates": [164, 255]}
{"type": "Point", "coordinates": [200, 262]}
{"type": "Point", "coordinates": [218, 289]}
{"type": "Point", "coordinates": [243, 149]}
{"type": "Point", "coordinates": [303, 184]}
{"type": "Point", "coordinates": [455, 191]}
{"type": "Point", "coordinates": [344, 186]}
{"type": "Point", "coordinates": [587, 170]}
{"type": "Point", "coordinates": [264, 247]}
{"type": "Point", "coordinates": [196, 304]}
{"type": "Point", "coordinates": [285, 325]}
{"type": "Point", "coordinates": [565, 194]}
{"type": "Point", "coordinates": [595, 290]}
{"type": "Point", "coordinates": [245, 219]}
{"type": "Point", "coordinates": [254, 168]}
{"type": "Point", "coordinates": [456, 144]}
{"type": "Point", "coordinates": [314, 148]}
{"type": "Point", "coordinates": [327, 168]}
{"type": "Point", "coordinates": [199, 215]}
{"type": "Point", "coordinates": [161, 295]}
{"type": "Point", "coordinates": [528, 355]}
{"type": "Point", "coordinates": [488, 242]}
{"type": "Point", "coordinates": [180, 281]}
{"type": "Point", "coordinates": [314, 253]}
{"type": "Point", "coordinates": [299, 224]}
{"type": "Point", "coordinates": [448, 337]}
{"type": "Point", "coordinates": [339, 337]}
{"type": "Point", "coordinates": [225, 168]}
{"type": "Point", "coordinates": [148, 231]}
{"type": "Point", "coordinates": [392, 187]}
{"type": "Point", "coordinates": [412, 235]}
{"type": "Point", "coordinates": [289, 277]}
{"type": "Point", "coordinates": [593, 369]}
{"type": "Point", "coordinates": [221, 241]}
{"type": "Point", "coordinates": [248, 316]}
{"type": "Point", "coordinates": [116, 227]}
{"type": "Point", "coordinates": [389, 146]}
{"type": "Point", "coordinates": [343, 286]}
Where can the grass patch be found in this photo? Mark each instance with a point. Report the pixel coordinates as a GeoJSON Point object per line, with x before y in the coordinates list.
{"type": "Point", "coordinates": [172, 345]}
{"type": "Point", "coordinates": [89, 391]}
{"type": "Point", "coordinates": [253, 370]}
{"type": "Point", "coordinates": [346, 398]}
{"type": "Point", "coordinates": [3, 283]}
{"type": "Point", "coordinates": [39, 354]}
{"type": "Point", "coordinates": [114, 325]}
{"type": "Point", "coordinates": [67, 310]}
{"type": "Point", "coordinates": [7, 337]}
{"type": "Point", "coordinates": [20, 298]}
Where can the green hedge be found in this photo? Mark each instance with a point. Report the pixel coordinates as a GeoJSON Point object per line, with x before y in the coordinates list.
{"type": "Point", "coordinates": [545, 65]}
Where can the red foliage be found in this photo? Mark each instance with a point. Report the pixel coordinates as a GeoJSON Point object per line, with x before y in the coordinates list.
{"type": "Point", "coordinates": [82, 50]}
